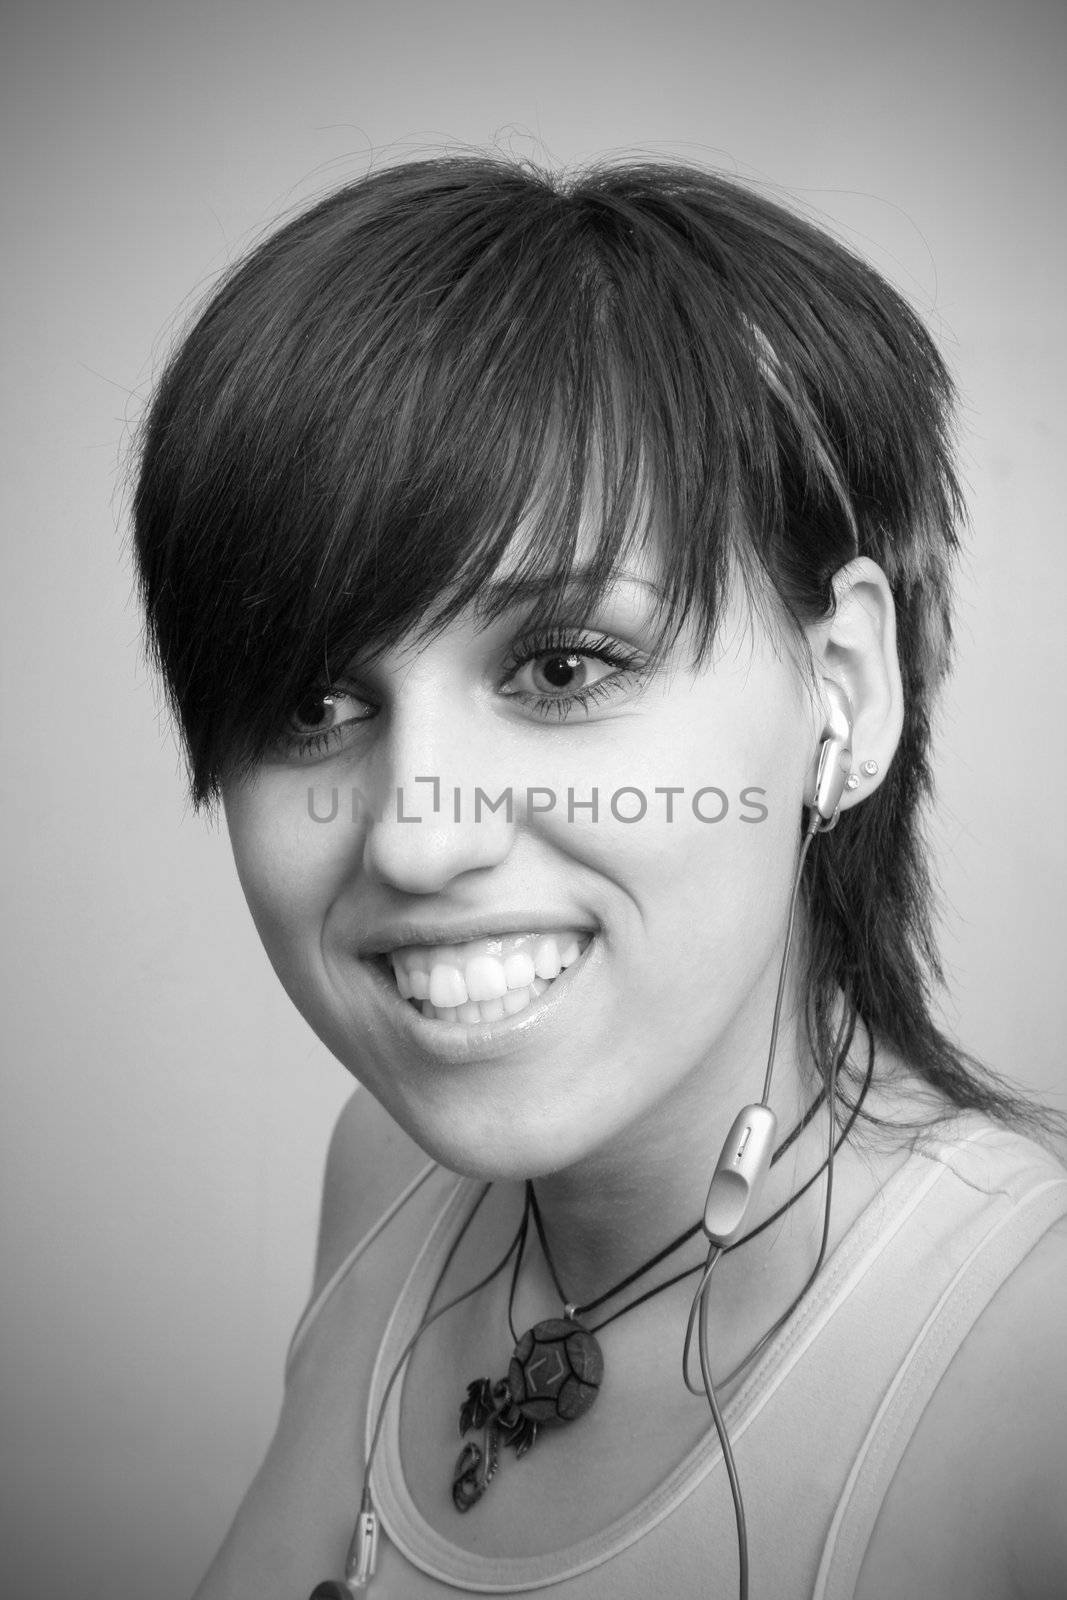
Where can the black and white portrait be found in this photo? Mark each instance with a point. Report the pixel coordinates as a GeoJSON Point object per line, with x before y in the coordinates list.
{"type": "Point", "coordinates": [532, 670]}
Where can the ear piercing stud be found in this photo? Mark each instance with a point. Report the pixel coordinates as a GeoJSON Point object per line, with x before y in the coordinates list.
{"type": "Point", "coordinates": [869, 768]}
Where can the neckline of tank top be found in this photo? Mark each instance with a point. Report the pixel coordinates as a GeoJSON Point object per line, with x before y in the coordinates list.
{"type": "Point", "coordinates": [433, 1554]}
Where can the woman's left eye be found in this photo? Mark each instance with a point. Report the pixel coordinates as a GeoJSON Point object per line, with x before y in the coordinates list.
{"type": "Point", "coordinates": [553, 675]}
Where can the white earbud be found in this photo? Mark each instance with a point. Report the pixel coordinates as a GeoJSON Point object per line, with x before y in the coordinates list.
{"type": "Point", "coordinates": [835, 756]}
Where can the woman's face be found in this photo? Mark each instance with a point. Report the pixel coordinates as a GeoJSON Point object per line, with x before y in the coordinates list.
{"type": "Point", "coordinates": [666, 904]}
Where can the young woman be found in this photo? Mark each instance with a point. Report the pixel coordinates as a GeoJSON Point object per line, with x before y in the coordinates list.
{"type": "Point", "coordinates": [551, 577]}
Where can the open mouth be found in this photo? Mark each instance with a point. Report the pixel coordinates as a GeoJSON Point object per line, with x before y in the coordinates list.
{"type": "Point", "coordinates": [483, 980]}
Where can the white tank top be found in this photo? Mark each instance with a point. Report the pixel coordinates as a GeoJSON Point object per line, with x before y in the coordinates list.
{"type": "Point", "coordinates": [818, 1427]}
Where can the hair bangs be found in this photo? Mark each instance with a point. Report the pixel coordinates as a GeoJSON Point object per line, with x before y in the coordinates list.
{"type": "Point", "coordinates": [348, 452]}
{"type": "Point", "coordinates": [461, 383]}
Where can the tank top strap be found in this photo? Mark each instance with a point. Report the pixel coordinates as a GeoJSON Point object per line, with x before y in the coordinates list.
{"type": "Point", "coordinates": [1035, 1192]}
{"type": "Point", "coordinates": [332, 1283]}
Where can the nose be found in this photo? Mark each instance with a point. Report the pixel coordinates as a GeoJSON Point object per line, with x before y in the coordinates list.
{"type": "Point", "coordinates": [438, 815]}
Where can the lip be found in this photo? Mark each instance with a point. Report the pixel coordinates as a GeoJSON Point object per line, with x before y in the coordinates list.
{"type": "Point", "coordinates": [459, 1042]}
{"type": "Point", "coordinates": [395, 935]}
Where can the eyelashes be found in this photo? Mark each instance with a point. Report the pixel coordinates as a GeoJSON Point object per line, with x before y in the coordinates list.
{"type": "Point", "coordinates": [560, 648]}
{"type": "Point", "coordinates": [554, 654]}
{"type": "Point", "coordinates": [305, 746]}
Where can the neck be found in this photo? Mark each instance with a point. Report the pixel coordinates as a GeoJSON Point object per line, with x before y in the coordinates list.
{"type": "Point", "coordinates": [620, 1209]}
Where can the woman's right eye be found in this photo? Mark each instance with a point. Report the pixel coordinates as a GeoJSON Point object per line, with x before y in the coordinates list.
{"type": "Point", "coordinates": [321, 722]}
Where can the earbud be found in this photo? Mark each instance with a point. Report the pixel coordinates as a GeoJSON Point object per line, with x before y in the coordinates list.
{"type": "Point", "coordinates": [835, 756]}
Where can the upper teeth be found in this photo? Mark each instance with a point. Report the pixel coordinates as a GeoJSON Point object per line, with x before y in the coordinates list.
{"type": "Point", "coordinates": [483, 969]}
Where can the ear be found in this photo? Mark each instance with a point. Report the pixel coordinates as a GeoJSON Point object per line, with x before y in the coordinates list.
{"type": "Point", "coordinates": [857, 649]}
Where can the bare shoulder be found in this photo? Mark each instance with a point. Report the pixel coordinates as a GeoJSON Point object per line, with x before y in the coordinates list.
{"type": "Point", "coordinates": [369, 1163]}
{"type": "Point", "coordinates": [290, 1511]}
{"type": "Point", "coordinates": [976, 1506]}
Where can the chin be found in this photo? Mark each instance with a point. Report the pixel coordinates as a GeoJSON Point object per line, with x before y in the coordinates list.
{"type": "Point", "coordinates": [508, 1143]}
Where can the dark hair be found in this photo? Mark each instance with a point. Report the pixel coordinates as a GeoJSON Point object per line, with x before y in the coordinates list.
{"type": "Point", "coordinates": [341, 448]}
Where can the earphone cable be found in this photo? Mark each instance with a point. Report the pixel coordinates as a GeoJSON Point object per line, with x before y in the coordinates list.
{"type": "Point", "coordinates": [724, 1442]}
{"type": "Point", "coordinates": [809, 835]}
{"type": "Point", "coordinates": [828, 1168]}
{"type": "Point", "coordinates": [711, 1261]}
{"type": "Point", "coordinates": [824, 1166]}
{"type": "Point", "coordinates": [699, 1309]}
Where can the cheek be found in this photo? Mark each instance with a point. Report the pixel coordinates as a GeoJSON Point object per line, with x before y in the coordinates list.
{"type": "Point", "coordinates": [703, 896]}
{"type": "Point", "coordinates": [709, 898]}
{"type": "Point", "coordinates": [691, 802]}
{"type": "Point", "coordinates": [290, 867]}
{"type": "Point", "coordinates": [733, 876]}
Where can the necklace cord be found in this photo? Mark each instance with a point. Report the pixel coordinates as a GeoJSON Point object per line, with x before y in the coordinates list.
{"type": "Point", "coordinates": [798, 1128]}
{"type": "Point", "coordinates": [520, 1242]}
{"type": "Point", "coordinates": [535, 1210]}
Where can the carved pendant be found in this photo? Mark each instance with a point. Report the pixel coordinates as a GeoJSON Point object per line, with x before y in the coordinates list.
{"type": "Point", "coordinates": [554, 1377]}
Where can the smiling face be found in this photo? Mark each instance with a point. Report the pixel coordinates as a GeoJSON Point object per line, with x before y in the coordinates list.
{"type": "Point", "coordinates": [668, 902]}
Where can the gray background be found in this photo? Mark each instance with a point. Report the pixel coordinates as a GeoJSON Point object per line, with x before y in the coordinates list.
{"type": "Point", "coordinates": [165, 1112]}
